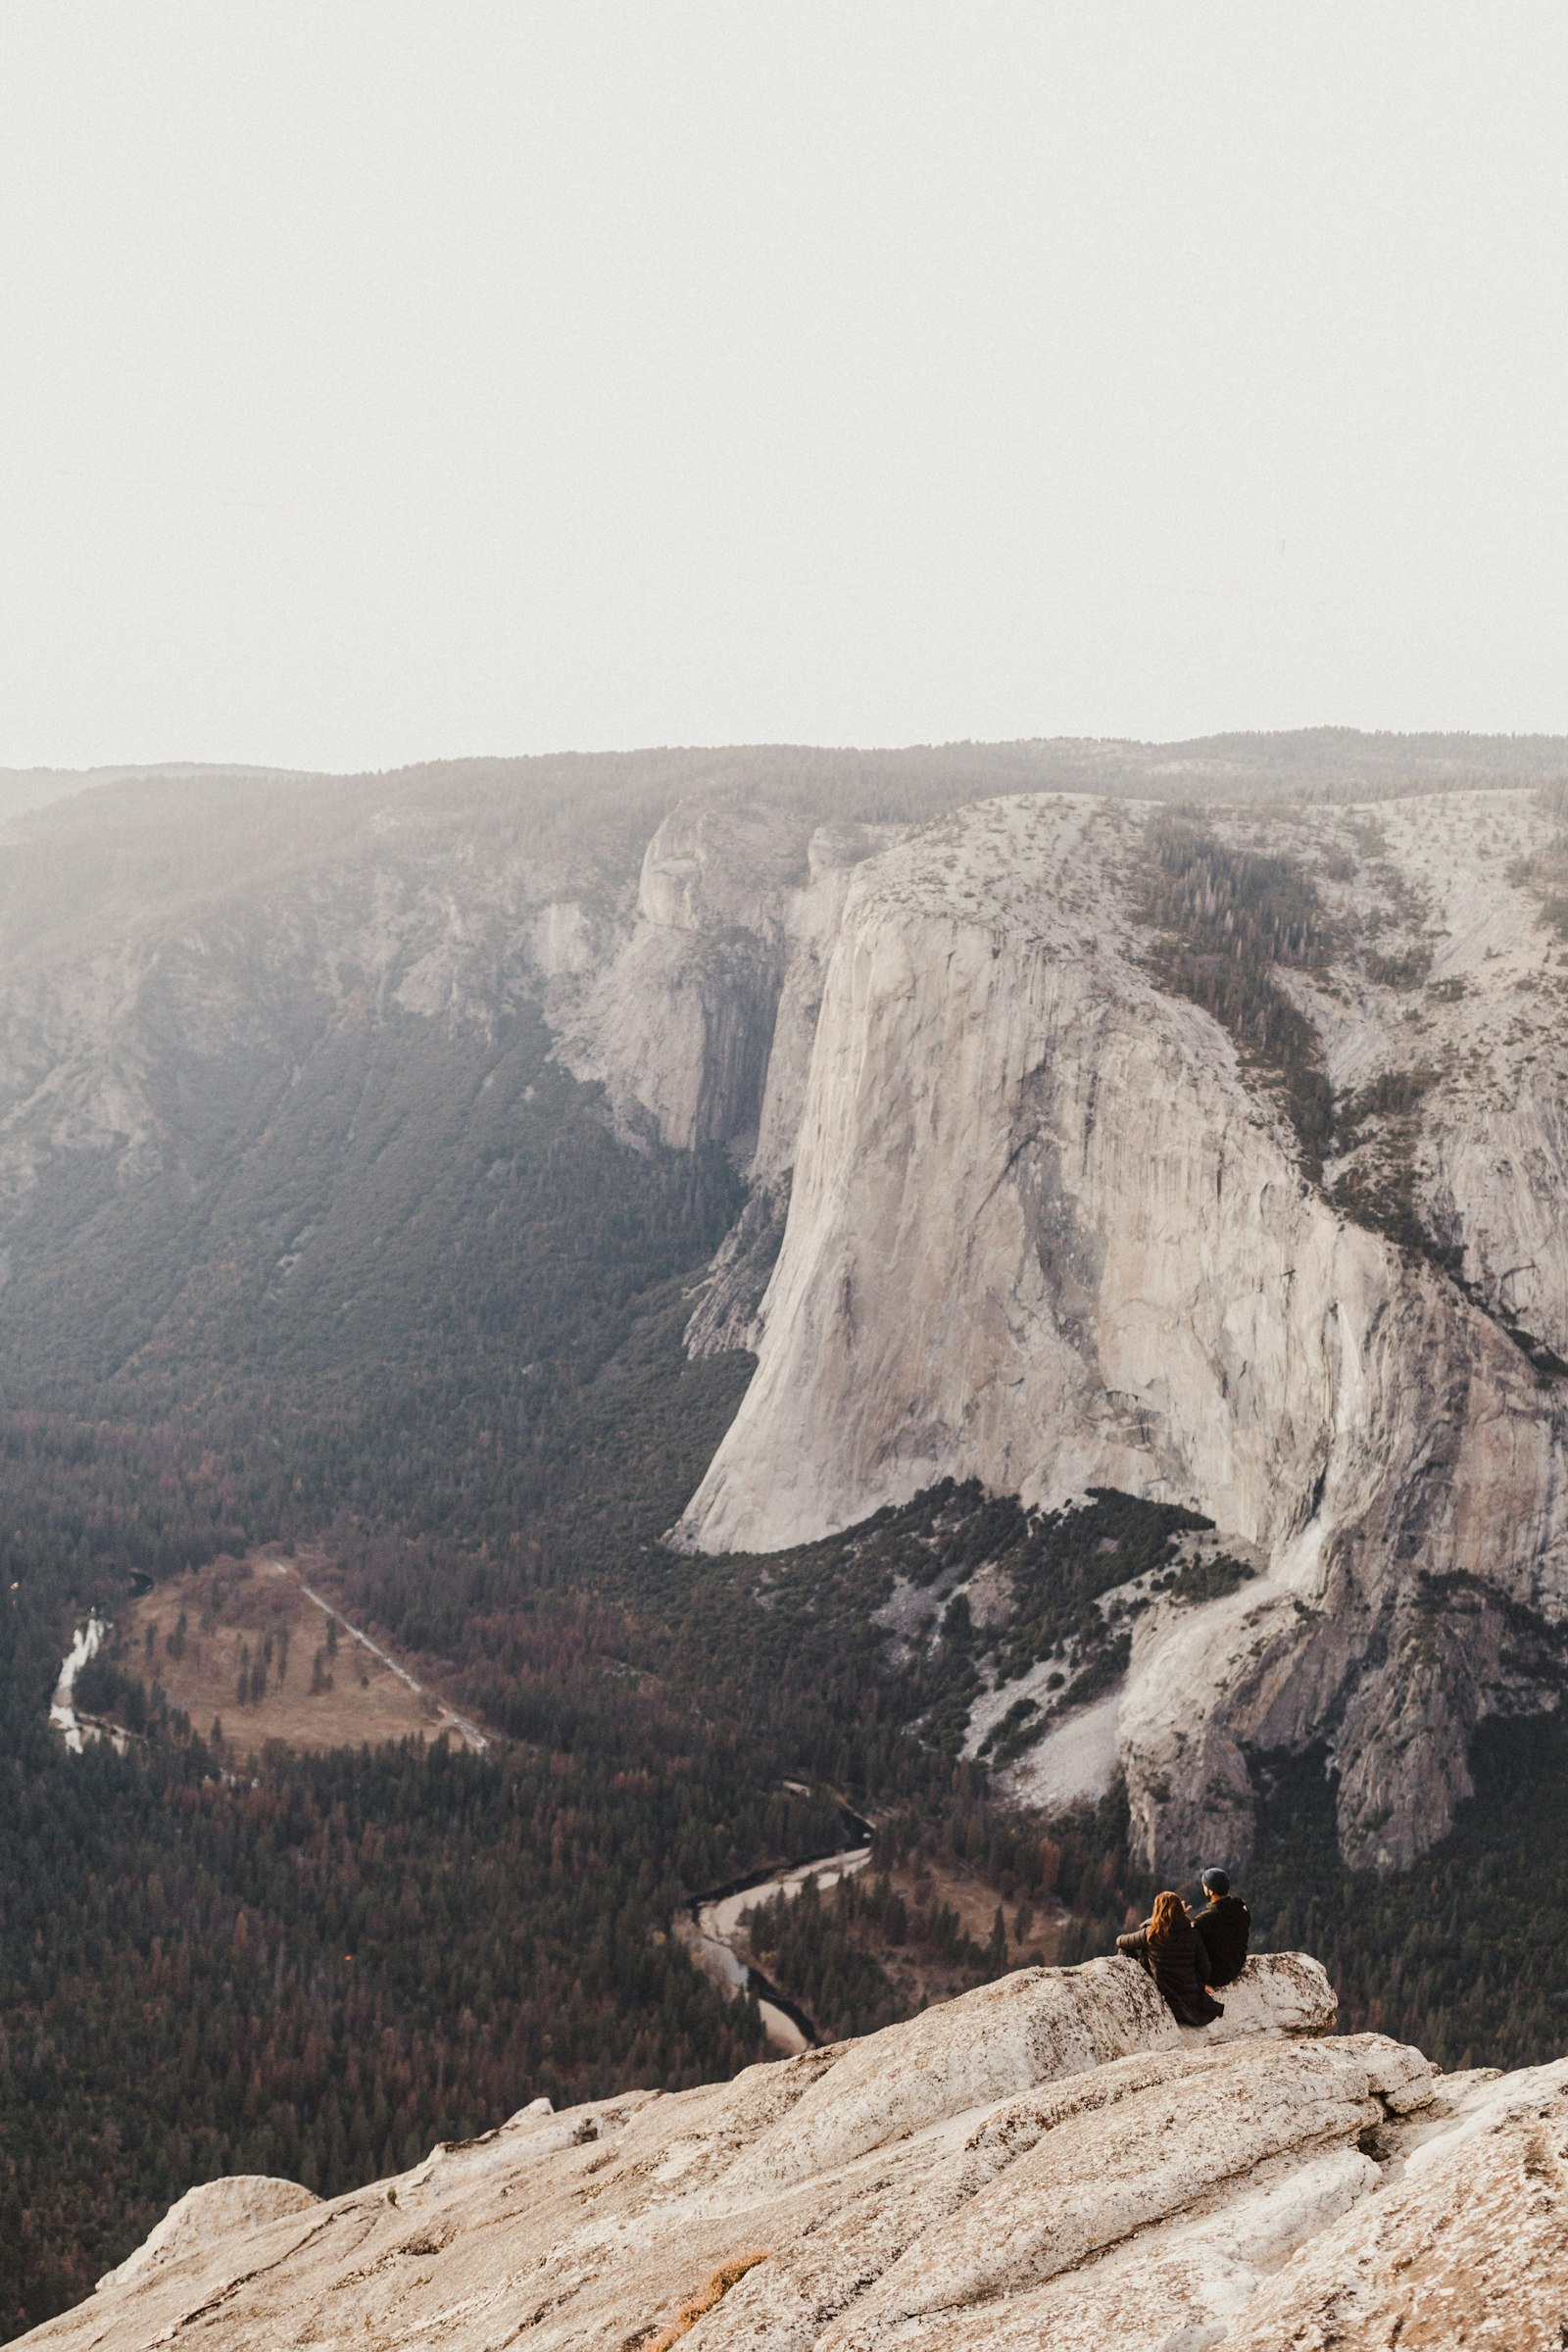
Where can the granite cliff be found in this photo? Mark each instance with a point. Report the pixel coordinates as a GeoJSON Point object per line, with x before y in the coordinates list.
{"type": "Point", "coordinates": [1081, 1166]}
{"type": "Point", "coordinates": [1052, 1225]}
{"type": "Point", "coordinates": [1049, 2162]}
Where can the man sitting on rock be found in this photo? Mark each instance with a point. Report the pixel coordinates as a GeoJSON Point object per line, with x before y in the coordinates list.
{"type": "Point", "coordinates": [1224, 1924]}
{"type": "Point", "coordinates": [1167, 1945]}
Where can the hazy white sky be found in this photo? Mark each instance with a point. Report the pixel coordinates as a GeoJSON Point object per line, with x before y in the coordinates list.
{"type": "Point", "coordinates": [383, 380]}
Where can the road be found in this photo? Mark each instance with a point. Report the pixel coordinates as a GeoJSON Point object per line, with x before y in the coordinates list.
{"type": "Point", "coordinates": [468, 1733]}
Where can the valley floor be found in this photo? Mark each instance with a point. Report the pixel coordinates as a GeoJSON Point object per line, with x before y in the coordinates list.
{"type": "Point", "coordinates": [258, 1646]}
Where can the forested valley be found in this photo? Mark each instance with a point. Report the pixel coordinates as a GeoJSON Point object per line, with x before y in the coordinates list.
{"type": "Point", "coordinates": [215, 1959]}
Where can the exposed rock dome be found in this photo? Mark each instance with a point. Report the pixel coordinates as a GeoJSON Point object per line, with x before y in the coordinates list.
{"type": "Point", "coordinates": [1048, 2163]}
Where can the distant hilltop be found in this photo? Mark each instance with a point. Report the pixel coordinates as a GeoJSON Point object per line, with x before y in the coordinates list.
{"type": "Point", "coordinates": [24, 788]}
{"type": "Point", "coordinates": [1319, 760]}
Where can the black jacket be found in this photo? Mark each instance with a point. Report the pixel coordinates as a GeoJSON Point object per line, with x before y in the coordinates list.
{"type": "Point", "coordinates": [1177, 1966]}
{"type": "Point", "coordinates": [1224, 1927]}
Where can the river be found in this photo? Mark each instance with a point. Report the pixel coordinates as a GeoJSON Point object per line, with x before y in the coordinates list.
{"type": "Point", "coordinates": [86, 1642]}
{"type": "Point", "coordinates": [713, 1921]}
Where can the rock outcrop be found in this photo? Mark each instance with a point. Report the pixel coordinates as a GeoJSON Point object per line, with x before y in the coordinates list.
{"type": "Point", "coordinates": [1047, 2163]}
{"type": "Point", "coordinates": [699, 1017]}
{"type": "Point", "coordinates": [1049, 1229]}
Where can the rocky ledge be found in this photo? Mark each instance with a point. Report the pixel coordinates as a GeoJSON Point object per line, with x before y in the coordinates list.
{"type": "Point", "coordinates": [1048, 2163]}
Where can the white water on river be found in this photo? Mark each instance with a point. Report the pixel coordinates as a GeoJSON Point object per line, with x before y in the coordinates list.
{"type": "Point", "coordinates": [87, 1642]}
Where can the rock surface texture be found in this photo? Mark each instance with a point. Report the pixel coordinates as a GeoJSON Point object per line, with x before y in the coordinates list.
{"type": "Point", "coordinates": [1048, 2163]}
{"type": "Point", "coordinates": [1051, 1230]}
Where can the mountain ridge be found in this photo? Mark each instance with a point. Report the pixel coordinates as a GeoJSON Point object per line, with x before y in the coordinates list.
{"type": "Point", "coordinates": [1049, 1225]}
{"type": "Point", "coordinates": [366, 1148]}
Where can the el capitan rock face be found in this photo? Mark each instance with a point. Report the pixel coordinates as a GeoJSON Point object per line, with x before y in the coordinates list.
{"type": "Point", "coordinates": [1021, 1213]}
{"type": "Point", "coordinates": [1048, 1229]}
{"type": "Point", "coordinates": [1049, 2162]}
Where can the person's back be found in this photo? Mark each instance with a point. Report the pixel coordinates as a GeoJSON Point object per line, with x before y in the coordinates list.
{"type": "Point", "coordinates": [1224, 1927]}
{"type": "Point", "coordinates": [1168, 1947]}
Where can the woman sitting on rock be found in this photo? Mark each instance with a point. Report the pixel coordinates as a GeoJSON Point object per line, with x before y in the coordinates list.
{"type": "Point", "coordinates": [1171, 1948]}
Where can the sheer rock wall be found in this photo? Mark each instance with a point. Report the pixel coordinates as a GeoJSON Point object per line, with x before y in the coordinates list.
{"type": "Point", "coordinates": [1047, 1230]}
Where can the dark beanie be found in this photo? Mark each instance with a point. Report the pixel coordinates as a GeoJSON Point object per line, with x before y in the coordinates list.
{"type": "Point", "coordinates": [1216, 1881]}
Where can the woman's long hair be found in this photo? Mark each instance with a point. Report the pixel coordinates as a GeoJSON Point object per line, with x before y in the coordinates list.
{"type": "Point", "coordinates": [1170, 1912]}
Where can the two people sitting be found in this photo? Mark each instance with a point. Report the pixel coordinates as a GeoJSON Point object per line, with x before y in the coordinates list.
{"type": "Point", "coordinates": [1189, 1957]}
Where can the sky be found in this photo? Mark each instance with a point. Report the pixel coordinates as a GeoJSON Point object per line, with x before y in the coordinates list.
{"type": "Point", "coordinates": [390, 381]}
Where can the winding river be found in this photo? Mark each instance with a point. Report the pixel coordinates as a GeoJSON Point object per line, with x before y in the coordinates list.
{"type": "Point", "coordinates": [86, 1642]}
{"type": "Point", "coordinates": [713, 1920]}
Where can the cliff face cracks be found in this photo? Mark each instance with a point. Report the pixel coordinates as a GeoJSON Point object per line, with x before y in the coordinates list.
{"type": "Point", "coordinates": [1030, 1201]}
{"type": "Point", "coordinates": [1050, 1226]}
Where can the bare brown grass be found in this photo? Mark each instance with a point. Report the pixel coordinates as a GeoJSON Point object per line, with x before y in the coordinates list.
{"type": "Point", "coordinates": [921, 1976]}
{"type": "Point", "coordinates": [238, 1626]}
